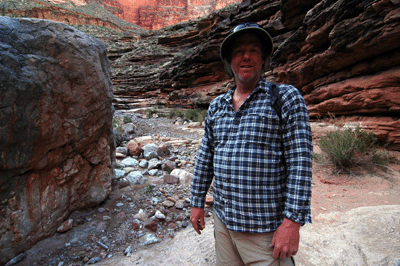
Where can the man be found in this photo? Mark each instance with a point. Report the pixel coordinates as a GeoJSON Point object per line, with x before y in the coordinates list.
{"type": "Point", "coordinates": [260, 161]}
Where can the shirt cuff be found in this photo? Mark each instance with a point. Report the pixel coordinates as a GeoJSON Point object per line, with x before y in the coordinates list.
{"type": "Point", "coordinates": [297, 217]}
{"type": "Point", "coordinates": [198, 202]}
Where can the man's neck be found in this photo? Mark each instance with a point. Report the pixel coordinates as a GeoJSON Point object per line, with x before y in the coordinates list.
{"type": "Point", "coordinates": [245, 88]}
{"type": "Point", "coordinates": [242, 91]}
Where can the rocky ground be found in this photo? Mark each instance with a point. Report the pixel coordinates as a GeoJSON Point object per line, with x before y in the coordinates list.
{"type": "Point", "coordinates": [145, 220]}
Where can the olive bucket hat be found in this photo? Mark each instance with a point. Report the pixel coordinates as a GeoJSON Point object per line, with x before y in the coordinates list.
{"type": "Point", "coordinates": [244, 28]}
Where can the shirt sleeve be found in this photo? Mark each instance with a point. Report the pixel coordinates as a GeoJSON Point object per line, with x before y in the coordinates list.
{"type": "Point", "coordinates": [203, 171]}
{"type": "Point", "coordinates": [297, 141]}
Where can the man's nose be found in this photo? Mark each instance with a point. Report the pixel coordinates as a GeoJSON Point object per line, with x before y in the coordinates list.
{"type": "Point", "coordinates": [246, 55]}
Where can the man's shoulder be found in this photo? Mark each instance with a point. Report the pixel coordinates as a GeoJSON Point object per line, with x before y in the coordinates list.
{"type": "Point", "coordinates": [220, 100]}
{"type": "Point", "coordinates": [288, 92]}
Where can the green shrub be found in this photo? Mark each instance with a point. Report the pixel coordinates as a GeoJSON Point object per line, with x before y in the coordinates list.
{"type": "Point", "coordinates": [343, 148]}
{"type": "Point", "coordinates": [149, 188]}
{"type": "Point", "coordinates": [150, 112]}
{"type": "Point", "coordinates": [382, 158]}
{"type": "Point", "coordinates": [195, 115]}
{"type": "Point", "coordinates": [127, 119]}
{"type": "Point", "coordinates": [176, 113]}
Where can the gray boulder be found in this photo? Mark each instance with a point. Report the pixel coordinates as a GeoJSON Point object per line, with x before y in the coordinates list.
{"type": "Point", "coordinates": [57, 149]}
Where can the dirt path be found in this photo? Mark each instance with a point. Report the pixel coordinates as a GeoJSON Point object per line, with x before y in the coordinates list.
{"type": "Point", "coordinates": [333, 198]}
{"type": "Point", "coordinates": [334, 195]}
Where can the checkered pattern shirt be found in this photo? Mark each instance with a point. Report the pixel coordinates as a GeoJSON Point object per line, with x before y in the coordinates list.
{"type": "Point", "coordinates": [261, 166]}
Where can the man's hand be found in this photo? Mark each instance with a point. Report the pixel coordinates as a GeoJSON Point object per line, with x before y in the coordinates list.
{"type": "Point", "coordinates": [286, 239]}
{"type": "Point", "coordinates": [197, 219]}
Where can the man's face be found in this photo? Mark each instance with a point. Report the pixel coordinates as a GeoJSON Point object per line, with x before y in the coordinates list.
{"type": "Point", "coordinates": [246, 58]}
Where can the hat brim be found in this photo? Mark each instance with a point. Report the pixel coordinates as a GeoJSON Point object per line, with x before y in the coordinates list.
{"type": "Point", "coordinates": [266, 41]}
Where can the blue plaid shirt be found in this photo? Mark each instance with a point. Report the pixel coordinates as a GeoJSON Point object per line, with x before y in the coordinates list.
{"type": "Point", "coordinates": [258, 178]}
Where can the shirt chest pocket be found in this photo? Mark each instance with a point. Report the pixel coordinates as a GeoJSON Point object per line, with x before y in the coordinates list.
{"type": "Point", "coordinates": [260, 126]}
{"type": "Point", "coordinates": [222, 127]}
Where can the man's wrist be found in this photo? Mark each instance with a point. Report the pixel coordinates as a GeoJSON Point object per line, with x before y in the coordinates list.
{"type": "Point", "coordinates": [290, 223]}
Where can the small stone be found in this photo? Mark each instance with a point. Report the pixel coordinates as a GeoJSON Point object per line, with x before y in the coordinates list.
{"type": "Point", "coordinates": [144, 163]}
{"type": "Point", "coordinates": [150, 151]}
{"type": "Point", "coordinates": [168, 165]}
{"type": "Point", "coordinates": [168, 204]}
{"type": "Point", "coordinates": [141, 215]}
{"type": "Point", "coordinates": [136, 178]}
{"type": "Point", "coordinates": [172, 226]}
{"type": "Point", "coordinates": [94, 260]}
{"type": "Point", "coordinates": [159, 215]}
{"type": "Point", "coordinates": [153, 172]}
{"type": "Point", "coordinates": [185, 224]}
{"type": "Point", "coordinates": [136, 224]}
{"type": "Point", "coordinates": [134, 148]}
{"type": "Point", "coordinates": [130, 162]}
{"type": "Point", "coordinates": [151, 226]}
{"type": "Point", "coordinates": [16, 259]}
{"type": "Point", "coordinates": [171, 179]}
{"type": "Point", "coordinates": [154, 163]}
{"type": "Point", "coordinates": [122, 150]}
{"type": "Point", "coordinates": [65, 226]}
{"type": "Point", "coordinates": [149, 239]}
{"type": "Point", "coordinates": [180, 204]}
{"type": "Point", "coordinates": [171, 199]}
{"type": "Point", "coordinates": [128, 251]}
{"type": "Point", "coordinates": [119, 173]}
{"type": "Point", "coordinates": [120, 155]}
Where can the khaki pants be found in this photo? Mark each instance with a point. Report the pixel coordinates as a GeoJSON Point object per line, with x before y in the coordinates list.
{"type": "Point", "coordinates": [234, 248]}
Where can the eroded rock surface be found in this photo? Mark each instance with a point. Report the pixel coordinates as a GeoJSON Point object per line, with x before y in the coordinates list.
{"type": "Point", "coordinates": [56, 142]}
{"type": "Point", "coordinates": [342, 55]}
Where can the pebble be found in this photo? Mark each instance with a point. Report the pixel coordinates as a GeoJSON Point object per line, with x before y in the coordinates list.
{"type": "Point", "coordinates": [130, 162]}
{"type": "Point", "coordinates": [94, 260]}
{"type": "Point", "coordinates": [65, 226]}
{"type": "Point", "coordinates": [119, 173]}
{"type": "Point", "coordinates": [128, 251]}
{"type": "Point", "coordinates": [159, 215]}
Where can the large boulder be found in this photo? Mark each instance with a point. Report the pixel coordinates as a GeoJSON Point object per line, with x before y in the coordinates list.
{"type": "Point", "coordinates": [56, 142]}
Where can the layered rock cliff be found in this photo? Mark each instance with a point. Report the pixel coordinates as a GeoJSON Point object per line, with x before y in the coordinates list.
{"type": "Point", "coordinates": [169, 12]}
{"type": "Point", "coordinates": [149, 15]}
{"type": "Point", "coordinates": [342, 55]}
{"type": "Point", "coordinates": [102, 13]}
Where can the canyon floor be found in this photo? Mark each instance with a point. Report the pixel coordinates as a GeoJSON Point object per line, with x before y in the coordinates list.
{"type": "Point", "coordinates": [338, 198]}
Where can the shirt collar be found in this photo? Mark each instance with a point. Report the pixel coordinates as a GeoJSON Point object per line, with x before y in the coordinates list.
{"type": "Point", "coordinates": [261, 85]}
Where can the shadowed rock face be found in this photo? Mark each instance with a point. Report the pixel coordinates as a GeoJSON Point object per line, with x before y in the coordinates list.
{"type": "Point", "coordinates": [56, 142]}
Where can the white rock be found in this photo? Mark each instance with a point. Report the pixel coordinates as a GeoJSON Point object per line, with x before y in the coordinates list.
{"type": "Point", "coordinates": [159, 215]}
{"type": "Point", "coordinates": [130, 162]}
{"type": "Point", "coordinates": [136, 178]}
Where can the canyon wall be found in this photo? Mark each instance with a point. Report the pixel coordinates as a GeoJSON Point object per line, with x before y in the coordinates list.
{"type": "Point", "coordinates": [149, 15]}
{"type": "Point", "coordinates": [342, 55]}
{"type": "Point", "coordinates": [169, 12]}
{"type": "Point", "coordinates": [56, 140]}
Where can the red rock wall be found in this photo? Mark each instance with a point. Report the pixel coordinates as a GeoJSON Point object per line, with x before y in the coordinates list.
{"type": "Point", "coordinates": [63, 15]}
{"type": "Point", "coordinates": [153, 16]}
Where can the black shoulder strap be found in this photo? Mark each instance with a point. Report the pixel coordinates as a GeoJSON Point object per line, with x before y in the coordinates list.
{"type": "Point", "coordinates": [277, 105]}
{"type": "Point", "coordinates": [276, 100]}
